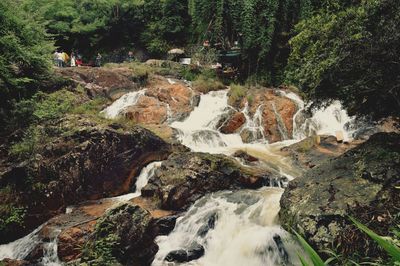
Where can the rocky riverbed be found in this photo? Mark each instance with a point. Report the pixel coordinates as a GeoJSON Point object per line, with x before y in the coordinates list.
{"type": "Point", "coordinates": [101, 202]}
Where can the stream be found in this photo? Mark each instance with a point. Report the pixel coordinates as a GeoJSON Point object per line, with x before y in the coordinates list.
{"type": "Point", "coordinates": [232, 227]}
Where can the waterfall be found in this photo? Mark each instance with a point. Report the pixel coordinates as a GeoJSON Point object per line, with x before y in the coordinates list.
{"type": "Point", "coordinates": [231, 228]}
{"type": "Point", "coordinates": [50, 256]}
{"type": "Point", "coordinates": [21, 248]}
{"type": "Point", "coordinates": [199, 132]}
{"type": "Point", "coordinates": [323, 121]}
{"type": "Point", "coordinates": [144, 176]}
{"type": "Point", "coordinates": [117, 108]}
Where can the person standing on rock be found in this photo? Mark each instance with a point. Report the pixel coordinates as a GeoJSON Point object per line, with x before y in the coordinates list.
{"type": "Point", "coordinates": [98, 60]}
{"type": "Point", "coordinates": [73, 60]}
{"type": "Point", "coordinates": [60, 59]}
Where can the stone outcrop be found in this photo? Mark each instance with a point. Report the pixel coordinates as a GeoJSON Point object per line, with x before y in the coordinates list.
{"type": "Point", "coordinates": [101, 81]}
{"type": "Point", "coordinates": [91, 163]}
{"type": "Point", "coordinates": [163, 102]}
{"type": "Point", "coordinates": [362, 183]}
{"type": "Point", "coordinates": [314, 150]}
{"type": "Point", "coordinates": [185, 177]}
{"type": "Point", "coordinates": [123, 235]}
{"type": "Point", "coordinates": [272, 113]}
{"type": "Point", "coordinates": [233, 123]}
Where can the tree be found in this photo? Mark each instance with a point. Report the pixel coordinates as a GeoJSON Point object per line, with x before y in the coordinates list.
{"type": "Point", "coordinates": [351, 55]}
{"type": "Point", "coordinates": [25, 54]}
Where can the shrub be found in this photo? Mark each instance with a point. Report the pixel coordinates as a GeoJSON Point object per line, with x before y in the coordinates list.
{"type": "Point", "coordinates": [237, 92]}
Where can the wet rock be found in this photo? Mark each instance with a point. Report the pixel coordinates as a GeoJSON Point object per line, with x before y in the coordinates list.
{"type": "Point", "coordinates": [178, 97]}
{"type": "Point", "coordinates": [36, 254]}
{"type": "Point", "coordinates": [165, 225]}
{"type": "Point", "coordinates": [195, 252]}
{"type": "Point", "coordinates": [185, 177]}
{"type": "Point", "coordinates": [177, 256]}
{"type": "Point", "coordinates": [281, 249]}
{"type": "Point", "coordinates": [107, 82]}
{"type": "Point", "coordinates": [70, 241]}
{"type": "Point", "coordinates": [276, 115]}
{"type": "Point", "coordinates": [10, 262]}
{"type": "Point", "coordinates": [247, 158]}
{"type": "Point", "coordinates": [208, 226]}
{"type": "Point", "coordinates": [123, 235]}
{"type": "Point", "coordinates": [250, 135]}
{"type": "Point", "coordinates": [233, 123]}
{"type": "Point", "coordinates": [147, 110]}
{"type": "Point", "coordinates": [360, 183]}
{"type": "Point", "coordinates": [314, 150]}
{"type": "Point", "coordinates": [92, 163]}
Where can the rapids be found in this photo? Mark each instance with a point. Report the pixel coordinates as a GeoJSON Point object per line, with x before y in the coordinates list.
{"type": "Point", "coordinates": [244, 229]}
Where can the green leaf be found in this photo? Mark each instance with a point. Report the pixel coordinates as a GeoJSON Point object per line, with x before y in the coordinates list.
{"type": "Point", "coordinates": [315, 258]}
{"type": "Point", "coordinates": [302, 260]}
{"type": "Point", "coordinates": [390, 248]}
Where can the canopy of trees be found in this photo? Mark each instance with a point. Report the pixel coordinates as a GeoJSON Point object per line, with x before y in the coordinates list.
{"type": "Point", "coordinates": [25, 53]}
{"type": "Point", "coordinates": [352, 54]}
{"type": "Point", "coordinates": [330, 49]}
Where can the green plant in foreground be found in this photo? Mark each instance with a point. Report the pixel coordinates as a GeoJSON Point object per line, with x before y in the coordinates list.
{"type": "Point", "coordinates": [390, 248]}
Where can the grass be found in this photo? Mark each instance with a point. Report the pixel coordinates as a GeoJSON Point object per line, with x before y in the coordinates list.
{"type": "Point", "coordinates": [236, 93]}
{"type": "Point", "coordinates": [390, 247]}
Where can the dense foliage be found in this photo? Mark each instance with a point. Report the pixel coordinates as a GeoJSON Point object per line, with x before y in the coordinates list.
{"type": "Point", "coordinates": [260, 27]}
{"type": "Point", "coordinates": [352, 55]}
{"type": "Point", "coordinates": [343, 50]}
{"type": "Point", "coordinates": [92, 26]}
{"type": "Point", "coordinates": [24, 55]}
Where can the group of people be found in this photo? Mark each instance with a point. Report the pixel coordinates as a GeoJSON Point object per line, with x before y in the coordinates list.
{"type": "Point", "coordinates": [62, 59]}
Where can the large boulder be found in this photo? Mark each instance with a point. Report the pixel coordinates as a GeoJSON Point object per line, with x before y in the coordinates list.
{"type": "Point", "coordinates": [147, 110]}
{"type": "Point", "coordinates": [124, 235]}
{"type": "Point", "coordinates": [271, 114]}
{"type": "Point", "coordinates": [314, 150]}
{"type": "Point", "coordinates": [92, 162]}
{"type": "Point", "coordinates": [185, 177]}
{"type": "Point", "coordinates": [362, 183]}
{"type": "Point", "coordinates": [108, 82]}
{"type": "Point", "coordinates": [233, 123]}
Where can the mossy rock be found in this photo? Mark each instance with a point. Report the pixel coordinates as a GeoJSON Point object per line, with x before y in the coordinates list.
{"type": "Point", "coordinates": [362, 183]}
{"type": "Point", "coordinates": [124, 235]}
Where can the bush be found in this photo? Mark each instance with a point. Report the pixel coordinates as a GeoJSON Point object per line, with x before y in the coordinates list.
{"type": "Point", "coordinates": [236, 93]}
{"type": "Point", "coordinates": [204, 84]}
{"type": "Point", "coordinates": [207, 81]}
{"type": "Point", "coordinates": [11, 215]}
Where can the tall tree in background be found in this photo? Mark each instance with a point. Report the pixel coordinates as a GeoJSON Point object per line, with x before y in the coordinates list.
{"type": "Point", "coordinates": [262, 27]}
{"type": "Point", "coordinates": [25, 54]}
{"type": "Point", "coordinates": [351, 54]}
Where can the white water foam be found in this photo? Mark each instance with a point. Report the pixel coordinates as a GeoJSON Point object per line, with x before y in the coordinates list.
{"type": "Point", "coordinates": [244, 231]}
{"type": "Point", "coordinates": [117, 107]}
{"type": "Point", "coordinates": [146, 173]}
{"type": "Point", "coordinates": [20, 248]}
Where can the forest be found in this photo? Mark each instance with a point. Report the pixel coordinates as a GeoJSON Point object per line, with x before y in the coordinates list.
{"type": "Point", "coordinates": [316, 53]}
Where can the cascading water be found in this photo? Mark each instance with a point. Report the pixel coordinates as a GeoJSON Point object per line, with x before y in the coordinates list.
{"type": "Point", "coordinates": [198, 131]}
{"type": "Point", "coordinates": [20, 248]}
{"type": "Point", "coordinates": [146, 173]}
{"type": "Point", "coordinates": [323, 121]}
{"type": "Point", "coordinates": [129, 99]}
{"type": "Point", "coordinates": [231, 228]}
{"type": "Point", "coordinates": [224, 228]}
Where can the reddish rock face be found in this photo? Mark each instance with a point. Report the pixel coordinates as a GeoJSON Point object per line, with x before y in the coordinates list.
{"type": "Point", "coordinates": [100, 81]}
{"type": "Point", "coordinates": [162, 101]}
{"type": "Point", "coordinates": [277, 114]}
{"type": "Point", "coordinates": [234, 123]}
{"type": "Point", "coordinates": [147, 110]}
{"type": "Point", "coordinates": [71, 239]}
